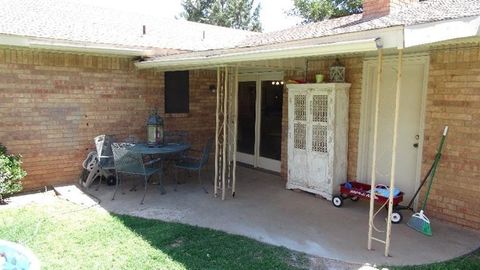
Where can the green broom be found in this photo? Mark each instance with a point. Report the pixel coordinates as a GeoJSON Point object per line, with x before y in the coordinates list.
{"type": "Point", "coordinates": [419, 221]}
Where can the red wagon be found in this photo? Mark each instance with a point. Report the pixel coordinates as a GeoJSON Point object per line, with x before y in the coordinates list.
{"type": "Point", "coordinates": [355, 191]}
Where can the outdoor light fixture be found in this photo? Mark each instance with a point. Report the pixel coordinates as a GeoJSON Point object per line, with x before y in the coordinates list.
{"type": "Point", "coordinates": [154, 129]}
{"type": "Point", "coordinates": [277, 82]}
{"type": "Point", "coordinates": [379, 43]}
{"type": "Point", "coordinates": [212, 88]}
{"type": "Point", "coordinates": [337, 72]}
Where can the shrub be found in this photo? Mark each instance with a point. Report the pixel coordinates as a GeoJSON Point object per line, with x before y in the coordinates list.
{"type": "Point", "coordinates": [11, 173]}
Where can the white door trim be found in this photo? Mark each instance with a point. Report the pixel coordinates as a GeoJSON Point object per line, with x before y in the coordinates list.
{"type": "Point", "coordinates": [245, 158]}
{"type": "Point", "coordinates": [256, 160]}
{"type": "Point", "coordinates": [366, 112]}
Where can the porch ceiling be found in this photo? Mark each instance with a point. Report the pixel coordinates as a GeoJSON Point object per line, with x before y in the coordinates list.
{"type": "Point", "coordinates": [264, 210]}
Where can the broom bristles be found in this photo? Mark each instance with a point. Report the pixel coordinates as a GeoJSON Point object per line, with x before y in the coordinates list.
{"type": "Point", "coordinates": [420, 223]}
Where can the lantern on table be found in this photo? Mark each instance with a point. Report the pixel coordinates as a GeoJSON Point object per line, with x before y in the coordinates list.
{"type": "Point", "coordinates": [154, 129]}
{"type": "Point", "coordinates": [337, 72]}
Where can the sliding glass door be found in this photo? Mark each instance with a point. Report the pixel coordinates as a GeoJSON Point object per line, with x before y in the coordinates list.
{"type": "Point", "coordinates": [247, 98]}
{"type": "Point", "coordinates": [260, 99]}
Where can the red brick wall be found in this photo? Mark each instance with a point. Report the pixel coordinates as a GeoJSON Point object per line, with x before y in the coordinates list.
{"type": "Point", "coordinates": [375, 8]}
{"type": "Point", "coordinates": [379, 8]}
{"type": "Point", "coordinates": [454, 100]}
{"type": "Point", "coordinates": [52, 105]}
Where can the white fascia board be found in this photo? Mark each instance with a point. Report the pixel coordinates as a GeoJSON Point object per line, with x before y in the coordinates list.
{"type": "Point", "coordinates": [11, 40]}
{"type": "Point", "coordinates": [84, 47]}
{"type": "Point", "coordinates": [427, 33]}
{"type": "Point", "coordinates": [392, 37]}
{"type": "Point", "coordinates": [22, 41]}
{"type": "Point", "coordinates": [269, 54]}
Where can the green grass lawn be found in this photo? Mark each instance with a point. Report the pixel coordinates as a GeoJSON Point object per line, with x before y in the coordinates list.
{"type": "Point", "coordinates": [468, 262]}
{"type": "Point", "coordinates": [65, 236]}
{"type": "Point", "coordinates": [68, 236]}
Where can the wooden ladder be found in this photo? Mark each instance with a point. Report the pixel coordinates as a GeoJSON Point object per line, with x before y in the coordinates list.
{"type": "Point", "coordinates": [386, 240]}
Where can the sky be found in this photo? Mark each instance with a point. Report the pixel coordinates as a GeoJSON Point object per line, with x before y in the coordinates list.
{"type": "Point", "coordinates": [272, 13]}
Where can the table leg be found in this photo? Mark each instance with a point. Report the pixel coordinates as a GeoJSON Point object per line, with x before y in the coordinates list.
{"type": "Point", "coordinates": [162, 188]}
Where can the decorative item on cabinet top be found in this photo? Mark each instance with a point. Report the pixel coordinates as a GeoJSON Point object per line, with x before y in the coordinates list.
{"type": "Point", "coordinates": [337, 72]}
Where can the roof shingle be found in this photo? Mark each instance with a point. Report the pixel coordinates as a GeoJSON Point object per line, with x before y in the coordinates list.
{"type": "Point", "coordinates": [69, 21]}
{"type": "Point", "coordinates": [417, 13]}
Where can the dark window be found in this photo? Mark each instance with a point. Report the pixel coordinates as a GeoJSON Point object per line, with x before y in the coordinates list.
{"type": "Point", "coordinates": [176, 92]}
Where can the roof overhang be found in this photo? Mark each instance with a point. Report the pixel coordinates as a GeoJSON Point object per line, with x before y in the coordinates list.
{"type": "Point", "coordinates": [59, 45]}
{"type": "Point", "coordinates": [258, 54]}
{"type": "Point", "coordinates": [434, 32]}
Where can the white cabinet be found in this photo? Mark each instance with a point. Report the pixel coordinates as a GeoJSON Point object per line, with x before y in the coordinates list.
{"type": "Point", "coordinates": [317, 137]}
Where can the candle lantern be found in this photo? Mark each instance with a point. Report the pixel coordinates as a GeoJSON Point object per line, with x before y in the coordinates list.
{"type": "Point", "coordinates": [154, 129]}
{"type": "Point", "coordinates": [337, 72]}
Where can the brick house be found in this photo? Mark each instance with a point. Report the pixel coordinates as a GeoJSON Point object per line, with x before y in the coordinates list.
{"type": "Point", "coordinates": [67, 76]}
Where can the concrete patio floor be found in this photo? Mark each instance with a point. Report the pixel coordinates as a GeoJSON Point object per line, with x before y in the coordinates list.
{"type": "Point", "coordinates": [264, 210]}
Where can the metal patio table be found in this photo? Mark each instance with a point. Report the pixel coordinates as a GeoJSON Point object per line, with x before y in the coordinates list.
{"type": "Point", "coordinates": [162, 151]}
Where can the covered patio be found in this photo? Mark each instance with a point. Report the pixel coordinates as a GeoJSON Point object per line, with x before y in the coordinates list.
{"type": "Point", "coordinates": [406, 72]}
{"type": "Point", "coordinates": [264, 210]}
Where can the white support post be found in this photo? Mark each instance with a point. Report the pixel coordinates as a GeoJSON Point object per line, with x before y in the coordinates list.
{"type": "Point", "coordinates": [374, 155]}
{"type": "Point", "coordinates": [217, 133]}
{"type": "Point", "coordinates": [226, 131]}
{"type": "Point", "coordinates": [225, 126]}
{"type": "Point", "coordinates": [235, 122]}
{"type": "Point", "coordinates": [394, 151]}
{"type": "Point", "coordinates": [230, 128]}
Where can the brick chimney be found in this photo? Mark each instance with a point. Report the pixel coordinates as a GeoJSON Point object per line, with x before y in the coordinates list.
{"type": "Point", "coordinates": [379, 8]}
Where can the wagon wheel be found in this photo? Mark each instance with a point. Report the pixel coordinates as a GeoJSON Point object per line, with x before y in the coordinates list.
{"type": "Point", "coordinates": [337, 201]}
{"type": "Point", "coordinates": [396, 217]}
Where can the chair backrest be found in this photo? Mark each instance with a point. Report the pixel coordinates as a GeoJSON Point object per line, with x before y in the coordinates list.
{"type": "Point", "coordinates": [103, 143]}
{"type": "Point", "coordinates": [132, 139]}
{"type": "Point", "coordinates": [126, 160]}
{"type": "Point", "coordinates": [206, 152]}
{"type": "Point", "coordinates": [176, 136]}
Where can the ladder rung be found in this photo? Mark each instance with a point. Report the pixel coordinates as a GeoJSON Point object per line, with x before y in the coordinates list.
{"type": "Point", "coordinates": [379, 240]}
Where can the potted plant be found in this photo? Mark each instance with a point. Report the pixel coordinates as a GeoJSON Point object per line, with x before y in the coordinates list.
{"type": "Point", "coordinates": [11, 173]}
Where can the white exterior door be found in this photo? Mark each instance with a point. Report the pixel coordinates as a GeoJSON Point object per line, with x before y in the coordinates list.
{"type": "Point", "coordinates": [410, 125]}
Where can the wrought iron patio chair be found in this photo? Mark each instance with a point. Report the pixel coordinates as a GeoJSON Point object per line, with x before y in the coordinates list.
{"type": "Point", "coordinates": [129, 162]}
{"type": "Point", "coordinates": [191, 163]}
{"type": "Point", "coordinates": [132, 139]}
{"type": "Point", "coordinates": [175, 136]}
{"type": "Point", "coordinates": [99, 164]}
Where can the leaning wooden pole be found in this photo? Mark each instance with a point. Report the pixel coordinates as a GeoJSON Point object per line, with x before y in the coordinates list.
{"type": "Point", "coordinates": [394, 151]}
{"type": "Point", "coordinates": [374, 154]}
{"type": "Point", "coordinates": [235, 122]}
{"type": "Point", "coordinates": [216, 132]}
{"type": "Point", "coordinates": [225, 135]}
